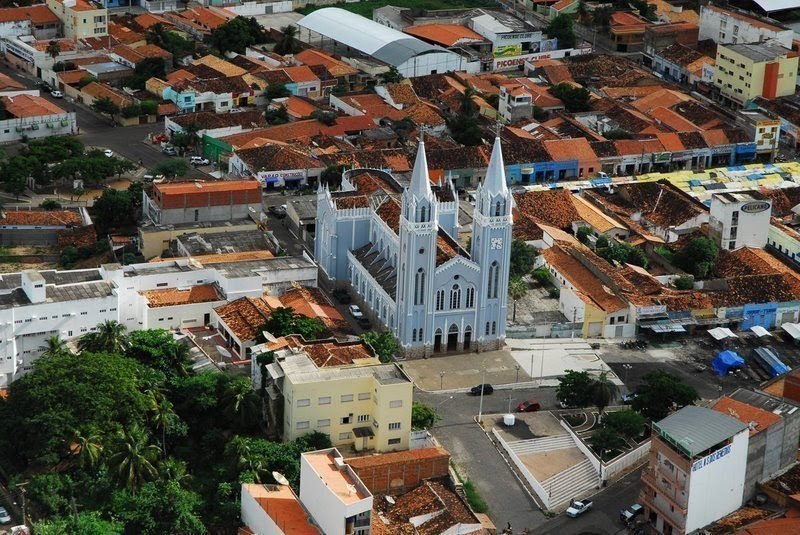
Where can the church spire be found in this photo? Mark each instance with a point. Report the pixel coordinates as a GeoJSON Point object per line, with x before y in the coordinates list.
{"type": "Point", "coordinates": [420, 181]}
{"type": "Point", "coordinates": [495, 181]}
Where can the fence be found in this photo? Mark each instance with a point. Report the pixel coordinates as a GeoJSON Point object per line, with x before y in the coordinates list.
{"type": "Point", "coordinates": [619, 465]}
{"type": "Point", "coordinates": [546, 330]}
{"type": "Point", "coordinates": [532, 481]}
{"type": "Point", "coordinates": [421, 439]}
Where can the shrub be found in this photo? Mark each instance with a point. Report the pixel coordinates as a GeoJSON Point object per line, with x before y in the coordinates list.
{"type": "Point", "coordinates": [542, 276]}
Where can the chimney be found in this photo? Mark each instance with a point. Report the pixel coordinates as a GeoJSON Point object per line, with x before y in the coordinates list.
{"type": "Point", "coordinates": [33, 284]}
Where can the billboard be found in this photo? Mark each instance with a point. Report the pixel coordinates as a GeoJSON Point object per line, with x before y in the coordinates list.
{"type": "Point", "coordinates": [507, 51]}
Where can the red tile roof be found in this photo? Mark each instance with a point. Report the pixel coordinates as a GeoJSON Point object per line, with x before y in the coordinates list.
{"type": "Point", "coordinates": [22, 106]}
{"type": "Point", "coordinates": [203, 293]}
{"type": "Point", "coordinates": [570, 149]}
{"type": "Point", "coordinates": [758, 419]}
{"type": "Point", "coordinates": [38, 15]}
{"type": "Point", "coordinates": [40, 218]}
{"type": "Point", "coordinates": [244, 316]}
{"type": "Point", "coordinates": [311, 56]}
{"type": "Point", "coordinates": [213, 193]}
{"type": "Point", "coordinates": [587, 285]}
{"type": "Point", "coordinates": [445, 34]}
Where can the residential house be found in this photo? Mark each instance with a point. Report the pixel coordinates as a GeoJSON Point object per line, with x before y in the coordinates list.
{"type": "Point", "coordinates": [627, 31]}
{"type": "Point", "coordinates": [345, 75]}
{"type": "Point", "coordinates": [36, 20]}
{"type": "Point", "coordinates": [39, 227]}
{"type": "Point", "coordinates": [32, 116]}
{"type": "Point", "coordinates": [173, 308]}
{"type": "Point", "coordinates": [277, 165]}
{"type": "Point", "coordinates": [80, 18]}
{"type": "Point", "coordinates": [519, 96]}
{"type": "Point", "coordinates": [683, 65]}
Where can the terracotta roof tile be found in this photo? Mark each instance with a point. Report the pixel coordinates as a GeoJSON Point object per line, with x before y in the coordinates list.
{"type": "Point", "coordinates": [570, 149]}
{"type": "Point", "coordinates": [445, 34]}
{"type": "Point", "coordinates": [124, 34]}
{"type": "Point", "coordinates": [587, 285]}
{"type": "Point", "coordinates": [99, 90]}
{"type": "Point", "coordinates": [203, 293]}
{"type": "Point", "coordinates": [336, 67]}
{"type": "Point", "coordinates": [23, 106]}
{"type": "Point", "coordinates": [244, 316]}
{"type": "Point", "coordinates": [551, 207]}
{"type": "Point", "coordinates": [39, 15]}
{"type": "Point", "coordinates": [389, 212]}
{"type": "Point", "coordinates": [757, 418]}
{"type": "Point", "coordinates": [312, 303]}
{"type": "Point", "coordinates": [673, 120]}
{"type": "Point", "coordinates": [42, 218]}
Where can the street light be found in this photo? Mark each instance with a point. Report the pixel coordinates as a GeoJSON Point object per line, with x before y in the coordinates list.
{"type": "Point", "coordinates": [516, 366]}
{"type": "Point", "coordinates": [441, 380]}
{"type": "Point", "coordinates": [483, 384]}
{"type": "Point", "coordinates": [626, 367]}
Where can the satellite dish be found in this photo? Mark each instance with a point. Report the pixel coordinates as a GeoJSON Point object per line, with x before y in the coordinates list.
{"type": "Point", "coordinates": [390, 500]}
{"type": "Point", "coordinates": [277, 476]}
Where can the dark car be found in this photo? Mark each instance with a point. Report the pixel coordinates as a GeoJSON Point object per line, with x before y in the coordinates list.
{"type": "Point", "coordinates": [529, 406]}
{"type": "Point", "coordinates": [486, 388]}
{"type": "Point", "coordinates": [278, 211]}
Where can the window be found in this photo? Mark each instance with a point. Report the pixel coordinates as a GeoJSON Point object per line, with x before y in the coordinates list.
{"type": "Point", "coordinates": [364, 395]}
{"type": "Point", "coordinates": [414, 335]}
{"type": "Point", "coordinates": [394, 441]}
{"type": "Point", "coordinates": [84, 313]}
{"type": "Point", "coordinates": [99, 18]}
{"type": "Point", "coordinates": [455, 297]}
{"type": "Point", "coordinates": [303, 402]}
{"type": "Point", "coordinates": [733, 233]}
{"type": "Point", "coordinates": [162, 284]}
{"type": "Point", "coordinates": [488, 327]}
{"type": "Point", "coordinates": [362, 418]}
{"type": "Point", "coordinates": [302, 425]}
{"type": "Point", "coordinates": [100, 30]}
{"type": "Point", "coordinates": [420, 335]}
{"type": "Point", "coordinates": [732, 245]}
{"type": "Point", "coordinates": [396, 404]}
{"type": "Point", "coordinates": [346, 398]}
{"type": "Point", "coordinates": [344, 436]}
{"type": "Point", "coordinates": [196, 215]}
{"type": "Point", "coordinates": [440, 300]}
{"type": "Point", "coordinates": [419, 287]}
{"type": "Point", "coordinates": [394, 426]}
{"type": "Point", "coordinates": [346, 420]}
{"type": "Point", "coordinates": [499, 208]}
{"type": "Point", "coordinates": [494, 327]}
{"type": "Point", "coordinates": [324, 400]}
{"type": "Point", "coordinates": [324, 423]}
{"type": "Point", "coordinates": [470, 297]}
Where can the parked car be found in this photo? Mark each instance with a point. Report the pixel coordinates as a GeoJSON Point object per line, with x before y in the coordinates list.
{"type": "Point", "coordinates": [169, 150]}
{"type": "Point", "coordinates": [563, 404]}
{"type": "Point", "coordinates": [278, 211]}
{"type": "Point", "coordinates": [56, 94]}
{"type": "Point", "coordinates": [199, 160]}
{"type": "Point", "coordinates": [44, 86]}
{"type": "Point", "coordinates": [576, 509]}
{"type": "Point", "coordinates": [529, 406]}
{"type": "Point", "coordinates": [109, 153]}
{"type": "Point", "coordinates": [5, 518]}
{"type": "Point", "coordinates": [355, 312]}
{"type": "Point", "coordinates": [485, 388]}
{"type": "Point", "coordinates": [626, 515]}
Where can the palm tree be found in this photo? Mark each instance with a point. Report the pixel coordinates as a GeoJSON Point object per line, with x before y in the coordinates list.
{"type": "Point", "coordinates": [172, 469]}
{"type": "Point", "coordinates": [241, 400]}
{"type": "Point", "coordinates": [247, 463]}
{"type": "Point", "coordinates": [86, 448]}
{"type": "Point", "coordinates": [517, 288]}
{"type": "Point", "coordinates": [161, 414]}
{"type": "Point", "coordinates": [468, 106]}
{"type": "Point", "coordinates": [53, 49]}
{"type": "Point", "coordinates": [134, 457]}
{"type": "Point", "coordinates": [288, 44]}
{"type": "Point", "coordinates": [110, 337]}
{"type": "Point", "coordinates": [604, 391]}
{"type": "Point", "coordinates": [56, 347]}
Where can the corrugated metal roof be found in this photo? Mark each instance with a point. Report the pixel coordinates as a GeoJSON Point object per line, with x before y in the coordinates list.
{"type": "Point", "coordinates": [694, 430]}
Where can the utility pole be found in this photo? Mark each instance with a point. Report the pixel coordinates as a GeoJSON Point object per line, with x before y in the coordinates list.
{"type": "Point", "coordinates": [483, 385]}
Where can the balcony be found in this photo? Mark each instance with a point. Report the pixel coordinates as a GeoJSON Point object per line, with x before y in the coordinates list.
{"type": "Point", "coordinates": [671, 495]}
{"type": "Point", "coordinates": [676, 518]}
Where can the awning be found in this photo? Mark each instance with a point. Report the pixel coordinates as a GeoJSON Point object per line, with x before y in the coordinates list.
{"type": "Point", "coordinates": [721, 333]}
{"type": "Point", "coordinates": [360, 432]}
{"type": "Point", "coordinates": [665, 328]}
{"type": "Point", "coordinates": [760, 331]}
{"type": "Point", "coordinates": [793, 329]}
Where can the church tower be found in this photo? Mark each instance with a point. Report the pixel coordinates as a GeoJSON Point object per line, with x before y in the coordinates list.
{"type": "Point", "coordinates": [491, 250]}
{"type": "Point", "coordinates": [417, 259]}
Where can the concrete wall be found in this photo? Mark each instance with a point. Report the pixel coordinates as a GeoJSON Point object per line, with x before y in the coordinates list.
{"type": "Point", "coordinates": [385, 475]}
{"type": "Point", "coordinates": [37, 127]}
{"type": "Point", "coordinates": [175, 216]}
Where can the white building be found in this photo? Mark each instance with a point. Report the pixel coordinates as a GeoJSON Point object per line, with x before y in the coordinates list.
{"type": "Point", "coordinates": [32, 116]}
{"type": "Point", "coordinates": [696, 475]}
{"type": "Point", "coordinates": [334, 494]}
{"type": "Point", "coordinates": [740, 219]}
{"type": "Point", "coordinates": [409, 55]}
{"type": "Point", "coordinates": [728, 26]}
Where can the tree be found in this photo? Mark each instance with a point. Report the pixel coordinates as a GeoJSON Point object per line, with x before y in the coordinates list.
{"type": "Point", "coordinates": [522, 258]}
{"type": "Point", "coordinates": [517, 288]}
{"type": "Point", "coordinates": [289, 43]}
{"type": "Point", "coordinates": [276, 116]}
{"type": "Point", "coordinates": [86, 447]}
{"type": "Point", "coordinates": [146, 69]}
{"type": "Point", "coordinates": [465, 130]}
{"type": "Point", "coordinates": [575, 389]}
{"type": "Point", "coordinates": [55, 347]}
{"type": "Point", "coordinates": [133, 460]}
{"type": "Point", "coordinates": [113, 209]}
{"type": "Point", "coordinates": [606, 442]}
{"type": "Point", "coordinates": [468, 106]}
{"type": "Point", "coordinates": [542, 276]}
{"type": "Point", "coordinates": [583, 234]}
{"type": "Point", "coordinates": [623, 253]}
{"type": "Point", "coordinates": [53, 49]}
{"type": "Point", "coordinates": [383, 343]}
{"type": "Point", "coordinates": [327, 118]}
{"type": "Point", "coordinates": [617, 133]}
{"type": "Point", "coordinates": [170, 168]}
{"type": "Point", "coordinates": [423, 416]}
{"type": "Point", "coordinates": [170, 41]}
{"type": "Point", "coordinates": [182, 141]}
{"type": "Point", "coordinates": [131, 110]}
{"type": "Point", "coordinates": [331, 176]}
{"type": "Point", "coordinates": [277, 90]}
{"type": "Point", "coordinates": [86, 80]}
{"type": "Point", "coordinates": [84, 523]}
{"type": "Point", "coordinates": [392, 76]}
{"type": "Point", "coordinates": [284, 321]}
{"type": "Point", "coordinates": [158, 349]}
{"type": "Point", "coordinates": [50, 205]}
{"type": "Point", "coordinates": [561, 29]}
{"type": "Point", "coordinates": [159, 507]}
{"type": "Point", "coordinates": [602, 17]}
{"type": "Point", "coordinates": [661, 393]}
{"type": "Point", "coordinates": [575, 99]}
{"type": "Point", "coordinates": [69, 255]}
{"type": "Point", "coordinates": [236, 35]}
{"type": "Point", "coordinates": [627, 423]}
{"type": "Point", "coordinates": [105, 106]}
{"type": "Point", "coordinates": [602, 242]}
{"type": "Point", "coordinates": [603, 391]}
{"type": "Point", "coordinates": [684, 282]}
{"type": "Point", "coordinates": [242, 401]}
{"type": "Point", "coordinates": [104, 392]}
{"type": "Point", "coordinates": [110, 337]}
{"type": "Point", "coordinates": [698, 256]}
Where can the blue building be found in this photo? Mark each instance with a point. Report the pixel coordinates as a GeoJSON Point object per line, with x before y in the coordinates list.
{"type": "Point", "coordinates": [396, 248]}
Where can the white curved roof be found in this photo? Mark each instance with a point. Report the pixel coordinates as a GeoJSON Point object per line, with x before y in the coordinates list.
{"type": "Point", "coordinates": [366, 36]}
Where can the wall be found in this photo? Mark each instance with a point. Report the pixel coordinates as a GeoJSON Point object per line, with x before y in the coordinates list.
{"type": "Point", "coordinates": [37, 127]}
{"type": "Point", "coordinates": [543, 495]}
{"type": "Point", "coordinates": [439, 62]}
{"type": "Point", "coordinates": [716, 489]}
{"type": "Point", "coordinates": [176, 317]}
{"type": "Point", "coordinates": [749, 30]}
{"type": "Point", "coordinates": [255, 517]}
{"type": "Point", "coordinates": [153, 242]}
{"type": "Point", "coordinates": [387, 475]}
{"type": "Point", "coordinates": [618, 467]}
{"type": "Point", "coordinates": [249, 9]}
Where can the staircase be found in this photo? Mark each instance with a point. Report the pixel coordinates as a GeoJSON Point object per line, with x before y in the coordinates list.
{"type": "Point", "coordinates": [540, 445]}
{"type": "Point", "coordinates": [571, 483]}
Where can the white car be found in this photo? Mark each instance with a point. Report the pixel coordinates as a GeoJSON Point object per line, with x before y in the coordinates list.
{"type": "Point", "coordinates": [5, 518]}
{"type": "Point", "coordinates": [576, 508]}
{"type": "Point", "coordinates": [56, 94]}
{"type": "Point", "coordinates": [109, 153]}
{"type": "Point", "coordinates": [355, 312]}
{"type": "Point", "coordinates": [199, 160]}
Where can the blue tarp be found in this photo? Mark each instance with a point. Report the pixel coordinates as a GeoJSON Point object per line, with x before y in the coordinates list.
{"type": "Point", "coordinates": [726, 361]}
{"type": "Point", "coordinates": [695, 182]}
{"type": "Point", "coordinates": [599, 181]}
{"type": "Point", "coordinates": [770, 361]}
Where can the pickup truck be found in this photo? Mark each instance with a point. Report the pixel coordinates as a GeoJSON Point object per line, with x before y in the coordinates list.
{"type": "Point", "coordinates": [576, 509]}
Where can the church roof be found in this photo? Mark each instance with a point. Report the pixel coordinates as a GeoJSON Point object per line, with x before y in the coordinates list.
{"type": "Point", "coordinates": [379, 267]}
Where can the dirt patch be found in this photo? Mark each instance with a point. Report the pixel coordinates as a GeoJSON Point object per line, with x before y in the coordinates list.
{"type": "Point", "coordinates": [549, 463]}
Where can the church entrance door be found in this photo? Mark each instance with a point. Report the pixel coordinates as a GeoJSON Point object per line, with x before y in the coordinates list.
{"type": "Point", "coordinates": [437, 341]}
{"type": "Point", "coordinates": [452, 338]}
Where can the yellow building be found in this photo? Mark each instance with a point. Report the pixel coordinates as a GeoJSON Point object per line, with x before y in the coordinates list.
{"type": "Point", "coordinates": [81, 18]}
{"type": "Point", "coordinates": [337, 388]}
{"type": "Point", "coordinates": [748, 70]}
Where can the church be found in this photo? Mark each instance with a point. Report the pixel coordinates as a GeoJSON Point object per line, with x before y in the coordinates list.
{"type": "Point", "coordinates": [397, 249]}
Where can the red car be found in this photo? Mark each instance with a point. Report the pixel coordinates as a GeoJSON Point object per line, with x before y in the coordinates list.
{"type": "Point", "coordinates": [529, 406]}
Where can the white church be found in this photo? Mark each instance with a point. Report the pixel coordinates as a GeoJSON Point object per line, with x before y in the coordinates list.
{"type": "Point", "coordinates": [397, 249]}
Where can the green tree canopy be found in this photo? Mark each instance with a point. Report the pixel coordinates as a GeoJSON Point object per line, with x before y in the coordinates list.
{"type": "Point", "coordinates": [606, 443]}
{"type": "Point", "coordinates": [623, 253]}
{"type": "Point", "coordinates": [170, 168]}
{"type": "Point", "coordinates": [575, 99]}
{"type": "Point", "coordinates": [284, 321]}
{"type": "Point", "coordinates": [146, 69]}
{"type": "Point", "coordinates": [277, 90]}
{"type": "Point", "coordinates": [517, 288]}
{"type": "Point", "coordinates": [383, 343]}
{"type": "Point", "coordinates": [561, 28]}
{"type": "Point", "coordinates": [465, 130]}
{"type": "Point", "coordinates": [85, 523]}
{"type": "Point", "coordinates": [288, 44]}
{"type": "Point", "coordinates": [105, 106]}
{"type": "Point", "coordinates": [522, 258]}
{"type": "Point", "coordinates": [604, 391]}
{"type": "Point", "coordinates": [110, 336]}
{"type": "Point", "coordinates": [627, 423]}
{"type": "Point", "coordinates": [583, 234]}
{"type": "Point", "coordinates": [423, 416]}
{"type": "Point", "coordinates": [660, 393]}
{"type": "Point", "coordinates": [113, 209]}
{"type": "Point", "coordinates": [159, 507]}
{"type": "Point", "coordinates": [237, 34]}
{"type": "Point", "coordinates": [698, 256]}
{"type": "Point", "coordinates": [100, 391]}
{"type": "Point", "coordinates": [392, 76]}
{"type": "Point", "coordinates": [575, 389]}
{"type": "Point", "coordinates": [158, 349]}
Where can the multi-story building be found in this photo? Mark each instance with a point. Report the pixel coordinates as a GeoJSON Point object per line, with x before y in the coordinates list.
{"type": "Point", "coordinates": [696, 473]}
{"type": "Point", "coordinates": [740, 219]}
{"type": "Point", "coordinates": [396, 248]}
{"type": "Point", "coordinates": [729, 26]}
{"type": "Point", "coordinates": [748, 70]}
{"type": "Point", "coordinates": [81, 18]}
{"type": "Point", "coordinates": [337, 388]}
{"type": "Point", "coordinates": [37, 21]}
{"type": "Point", "coordinates": [765, 129]}
{"type": "Point", "coordinates": [191, 202]}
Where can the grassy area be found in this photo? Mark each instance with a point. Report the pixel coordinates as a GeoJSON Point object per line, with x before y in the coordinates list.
{"type": "Point", "coordinates": [474, 499]}
{"type": "Point", "coordinates": [365, 8]}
